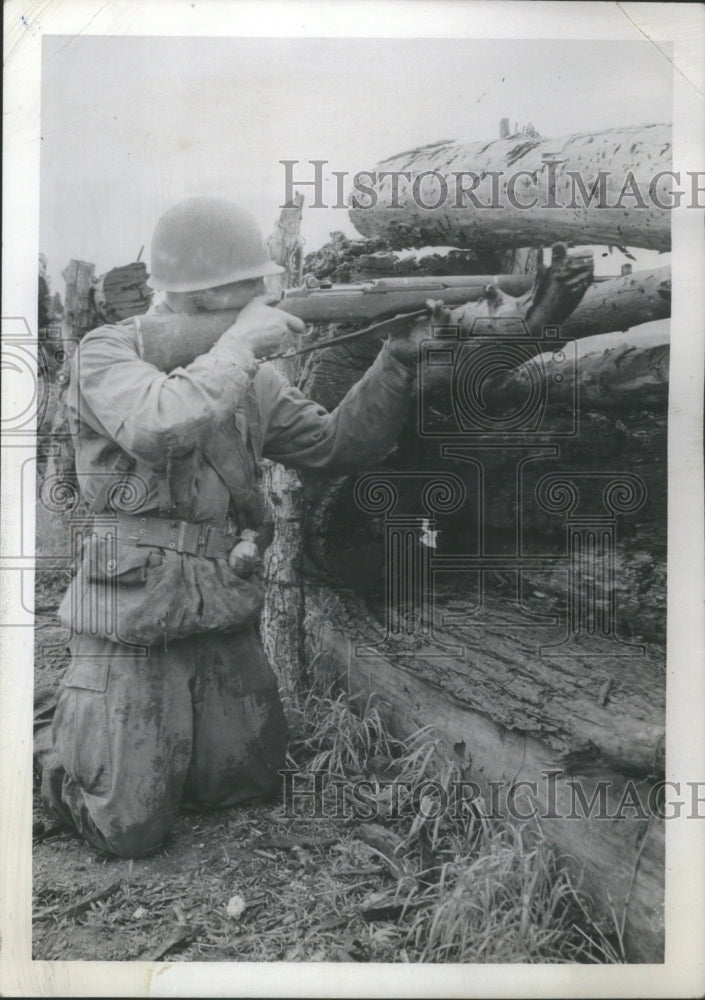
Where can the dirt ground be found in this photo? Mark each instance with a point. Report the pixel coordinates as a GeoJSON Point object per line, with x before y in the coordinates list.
{"type": "Point", "coordinates": [301, 883]}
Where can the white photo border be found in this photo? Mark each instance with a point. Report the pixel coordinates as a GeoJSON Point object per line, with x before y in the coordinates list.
{"type": "Point", "coordinates": [683, 26]}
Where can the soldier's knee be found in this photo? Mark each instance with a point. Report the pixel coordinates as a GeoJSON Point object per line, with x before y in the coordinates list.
{"type": "Point", "coordinates": [136, 839]}
{"type": "Point", "coordinates": [116, 824]}
{"type": "Point", "coordinates": [271, 785]}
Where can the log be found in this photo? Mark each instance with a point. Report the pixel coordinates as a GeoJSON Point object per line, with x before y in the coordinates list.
{"type": "Point", "coordinates": [488, 712]}
{"type": "Point", "coordinates": [283, 611]}
{"type": "Point", "coordinates": [624, 375]}
{"type": "Point", "coordinates": [621, 303]}
{"type": "Point", "coordinates": [343, 260]}
{"type": "Point", "coordinates": [285, 247]}
{"type": "Point", "coordinates": [58, 496]}
{"type": "Point", "coordinates": [439, 260]}
{"type": "Point", "coordinates": [434, 261]}
{"type": "Point", "coordinates": [79, 308]}
{"type": "Point", "coordinates": [473, 186]}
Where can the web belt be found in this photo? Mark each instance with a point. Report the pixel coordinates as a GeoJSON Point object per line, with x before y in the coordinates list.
{"type": "Point", "coordinates": [179, 536]}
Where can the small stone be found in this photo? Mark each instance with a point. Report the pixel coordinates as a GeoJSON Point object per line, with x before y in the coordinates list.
{"type": "Point", "coordinates": [236, 907]}
{"type": "Point", "coordinates": [139, 913]}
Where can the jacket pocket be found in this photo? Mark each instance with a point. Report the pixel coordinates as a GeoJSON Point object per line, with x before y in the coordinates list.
{"type": "Point", "coordinates": [81, 726]}
{"type": "Point", "coordinates": [105, 560]}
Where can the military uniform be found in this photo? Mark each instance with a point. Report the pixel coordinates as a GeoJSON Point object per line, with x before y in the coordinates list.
{"type": "Point", "coordinates": [169, 697]}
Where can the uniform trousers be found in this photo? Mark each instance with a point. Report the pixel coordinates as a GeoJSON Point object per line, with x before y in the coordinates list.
{"type": "Point", "coordinates": [138, 732]}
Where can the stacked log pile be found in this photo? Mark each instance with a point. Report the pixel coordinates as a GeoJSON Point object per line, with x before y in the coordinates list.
{"type": "Point", "coordinates": [542, 645]}
{"type": "Point", "coordinates": [516, 700]}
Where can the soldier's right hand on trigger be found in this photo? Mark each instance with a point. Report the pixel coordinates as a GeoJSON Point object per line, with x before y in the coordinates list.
{"type": "Point", "coordinates": [261, 328]}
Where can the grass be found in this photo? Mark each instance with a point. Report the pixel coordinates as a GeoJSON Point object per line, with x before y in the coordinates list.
{"type": "Point", "coordinates": [333, 737]}
{"type": "Point", "coordinates": [471, 888]}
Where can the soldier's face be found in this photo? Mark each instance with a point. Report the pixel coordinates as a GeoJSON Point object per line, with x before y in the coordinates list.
{"type": "Point", "coordinates": [233, 296]}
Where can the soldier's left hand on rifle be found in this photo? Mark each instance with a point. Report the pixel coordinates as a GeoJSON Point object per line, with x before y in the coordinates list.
{"type": "Point", "coordinates": [556, 292]}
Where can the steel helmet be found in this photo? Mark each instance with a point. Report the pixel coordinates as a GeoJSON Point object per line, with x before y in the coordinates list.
{"type": "Point", "coordinates": [205, 242]}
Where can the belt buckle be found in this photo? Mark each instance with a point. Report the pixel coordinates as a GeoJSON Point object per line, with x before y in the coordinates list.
{"type": "Point", "coordinates": [204, 535]}
{"type": "Point", "coordinates": [181, 539]}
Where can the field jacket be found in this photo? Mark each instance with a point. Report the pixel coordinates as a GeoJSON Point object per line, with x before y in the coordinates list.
{"type": "Point", "coordinates": [186, 445]}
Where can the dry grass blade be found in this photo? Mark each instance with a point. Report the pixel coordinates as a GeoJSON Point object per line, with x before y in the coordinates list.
{"type": "Point", "coordinates": [81, 904]}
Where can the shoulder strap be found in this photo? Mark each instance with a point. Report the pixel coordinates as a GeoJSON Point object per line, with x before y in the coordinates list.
{"type": "Point", "coordinates": [228, 455]}
{"type": "Point", "coordinates": [232, 448]}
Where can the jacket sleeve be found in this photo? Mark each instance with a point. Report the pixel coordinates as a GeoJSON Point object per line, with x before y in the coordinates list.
{"type": "Point", "coordinates": [361, 430]}
{"type": "Point", "coordinates": [146, 411]}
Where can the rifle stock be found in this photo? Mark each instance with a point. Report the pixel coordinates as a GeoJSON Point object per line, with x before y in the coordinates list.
{"type": "Point", "coordinates": [175, 339]}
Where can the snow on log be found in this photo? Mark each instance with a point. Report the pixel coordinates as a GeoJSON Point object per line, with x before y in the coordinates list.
{"type": "Point", "coordinates": [606, 187]}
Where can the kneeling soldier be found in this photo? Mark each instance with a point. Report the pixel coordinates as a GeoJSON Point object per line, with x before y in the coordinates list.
{"type": "Point", "coordinates": [169, 698]}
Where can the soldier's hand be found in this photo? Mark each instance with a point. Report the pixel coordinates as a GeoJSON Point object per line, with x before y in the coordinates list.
{"type": "Point", "coordinates": [244, 558]}
{"type": "Point", "coordinates": [261, 328]}
{"type": "Point", "coordinates": [404, 346]}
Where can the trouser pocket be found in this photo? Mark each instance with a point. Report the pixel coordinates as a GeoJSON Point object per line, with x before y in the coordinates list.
{"type": "Point", "coordinates": [80, 731]}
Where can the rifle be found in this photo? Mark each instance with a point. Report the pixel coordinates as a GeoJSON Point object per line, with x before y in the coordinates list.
{"type": "Point", "coordinates": [171, 341]}
{"type": "Point", "coordinates": [323, 302]}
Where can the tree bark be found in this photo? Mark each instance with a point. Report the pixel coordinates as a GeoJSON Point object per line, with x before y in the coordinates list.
{"type": "Point", "coordinates": [621, 303]}
{"type": "Point", "coordinates": [548, 203]}
{"type": "Point", "coordinates": [283, 612]}
{"type": "Point", "coordinates": [79, 309]}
